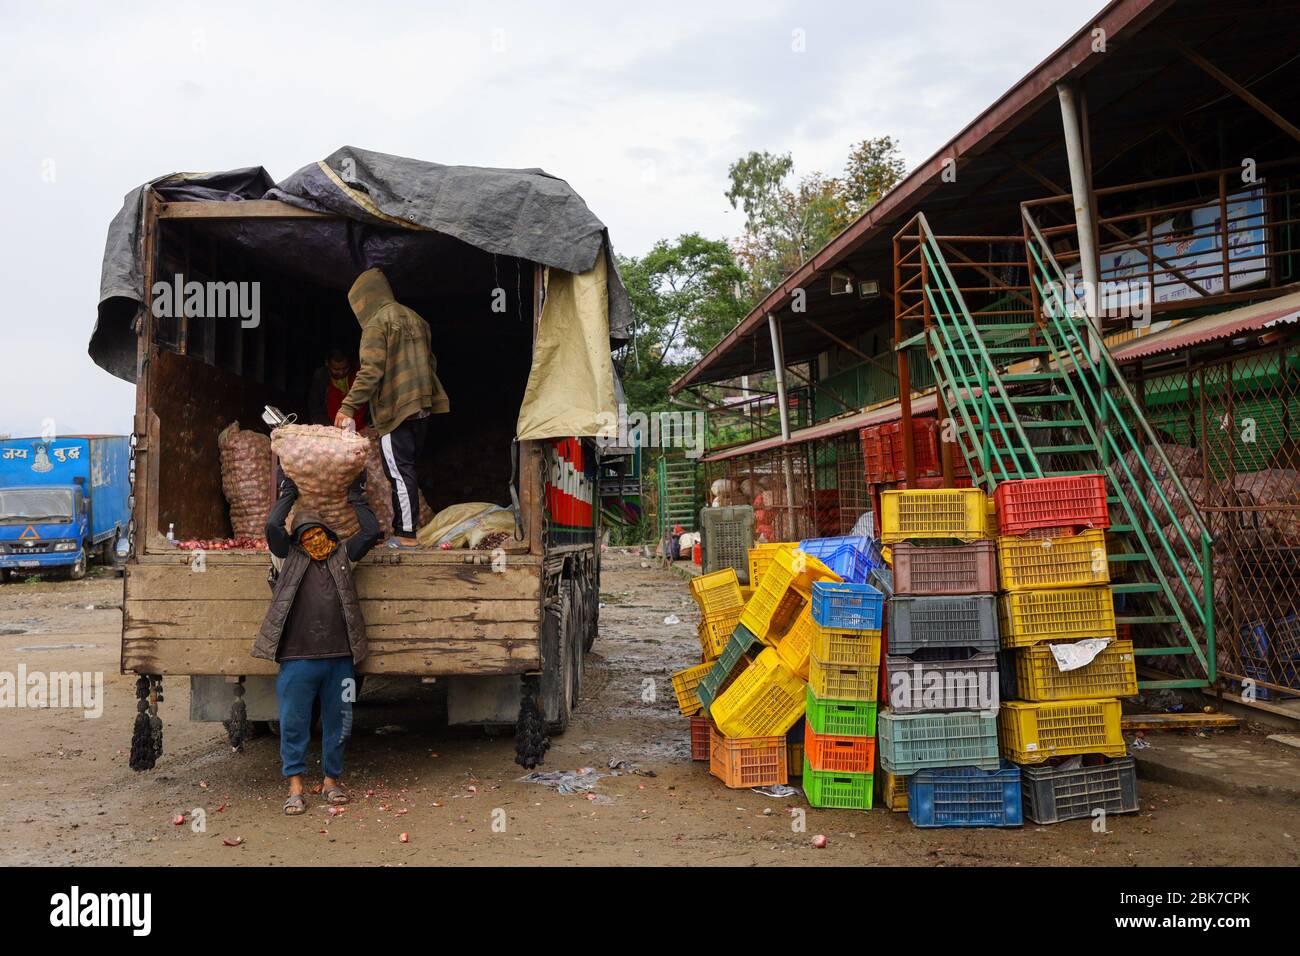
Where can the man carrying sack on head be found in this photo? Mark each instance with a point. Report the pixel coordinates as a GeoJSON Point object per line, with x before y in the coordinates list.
{"type": "Point", "coordinates": [398, 379]}
{"type": "Point", "coordinates": [315, 631]}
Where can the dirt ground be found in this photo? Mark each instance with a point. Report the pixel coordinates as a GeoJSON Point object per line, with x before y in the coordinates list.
{"type": "Point", "coordinates": [67, 795]}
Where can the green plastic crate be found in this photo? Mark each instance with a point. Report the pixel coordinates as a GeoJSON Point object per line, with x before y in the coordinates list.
{"type": "Point", "coordinates": [841, 718]}
{"type": "Point", "coordinates": [912, 742]}
{"type": "Point", "coordinates": [841, 791]}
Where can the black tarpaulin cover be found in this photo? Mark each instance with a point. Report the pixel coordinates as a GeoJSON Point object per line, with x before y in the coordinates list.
{"type": "Point", "coordinates": [525, 213]}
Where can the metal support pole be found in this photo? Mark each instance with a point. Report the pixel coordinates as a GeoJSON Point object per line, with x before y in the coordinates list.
{"type": "Point", "coordinates": [783, 411]}
{"type": "Point", "coordinates": [1081, 191]}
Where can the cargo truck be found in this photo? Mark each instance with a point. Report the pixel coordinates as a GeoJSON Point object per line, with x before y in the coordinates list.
{"type": "Point", "coordinates": [63, 503]}
{"type": "Point", "coordinates": [505, 632]}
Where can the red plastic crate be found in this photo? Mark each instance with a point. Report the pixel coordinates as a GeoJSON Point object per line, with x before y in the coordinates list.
{"type": "Point", "coordinates": [962, 569]}
{"type": "Point", "coordinates": [1075, 501]}
{"type": "Point", "coordinates": [876, 458]}
{"type": "Point", "coordinates": [700, 738]}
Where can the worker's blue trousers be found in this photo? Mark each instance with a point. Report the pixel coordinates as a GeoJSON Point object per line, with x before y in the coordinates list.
{"type": "Point", "coordinates": [299, 685]}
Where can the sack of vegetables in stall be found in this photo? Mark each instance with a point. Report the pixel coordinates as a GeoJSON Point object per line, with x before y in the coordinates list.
{"type": "Point", "coordinates": [246, 479]}
{"type": "Point", "coordinates": [322, 461]}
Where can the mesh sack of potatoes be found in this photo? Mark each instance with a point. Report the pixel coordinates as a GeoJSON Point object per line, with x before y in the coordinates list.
{"type": "Point", "coordinates": [323, 461]}
{"type": "Point", "coordinates": [246, 479]}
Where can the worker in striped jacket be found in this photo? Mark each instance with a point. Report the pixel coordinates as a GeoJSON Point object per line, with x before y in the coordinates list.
{"type": "Point", "coordinates": [398, 379]}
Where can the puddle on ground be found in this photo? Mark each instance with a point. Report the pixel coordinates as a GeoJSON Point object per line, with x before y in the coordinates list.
{"type": "Point", "coordinates": [55, 647]}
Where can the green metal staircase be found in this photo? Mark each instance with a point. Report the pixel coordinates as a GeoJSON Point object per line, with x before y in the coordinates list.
{"type": "Point", "coordinates": [1031, 395]}
{"type": "Point", "coordinates": [676, 487]}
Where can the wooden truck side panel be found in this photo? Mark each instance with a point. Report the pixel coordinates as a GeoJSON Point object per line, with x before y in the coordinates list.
{"type": "Point", "coordinates": [421, 618]}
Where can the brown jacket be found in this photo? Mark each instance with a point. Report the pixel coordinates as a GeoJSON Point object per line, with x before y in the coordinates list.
{"type": "Point", "coordinates": [267, 644]}
{"type": "Point", "coordinates": [398, 374]}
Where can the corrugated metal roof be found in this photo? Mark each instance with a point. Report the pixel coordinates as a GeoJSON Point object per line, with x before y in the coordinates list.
{"type": "Point", "coordinates": [838, 426]}
{"type": "Point", "coordinates": [1210, 328]}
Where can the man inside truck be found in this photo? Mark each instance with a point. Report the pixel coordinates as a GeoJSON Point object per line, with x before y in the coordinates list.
{"type": "Point", "coordinates": [315, 631]}
{"type": "Point", "coordinates": [398, 378]}
{"type": "Point", "coordinates": [329, 385]}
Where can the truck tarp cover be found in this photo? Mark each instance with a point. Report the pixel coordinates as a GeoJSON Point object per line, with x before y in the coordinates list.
{"type": "Point", "coordinates": [524, 213]}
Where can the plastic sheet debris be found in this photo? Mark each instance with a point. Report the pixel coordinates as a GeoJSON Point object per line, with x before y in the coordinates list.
{"type": "Point", "coordinates": [672, 619]}
{"type": "Point", "coordinates": [1070, 657]}
{"type": "Point", "coordinates": [776, 790]}
{"type": "Point", "coordinates": [581, 780]}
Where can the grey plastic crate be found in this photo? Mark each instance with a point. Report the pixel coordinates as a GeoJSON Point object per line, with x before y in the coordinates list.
{"type": "Point", "coordinates": [918, 623]}
{"type": "Point", "coordinates": [912, 742]}
{"type": "Point", "coordinates": [727, 535]}
{"type": "Point", "coordinates": [942, 679]}
{"type": "Point", "coordinates": [1051, 794]}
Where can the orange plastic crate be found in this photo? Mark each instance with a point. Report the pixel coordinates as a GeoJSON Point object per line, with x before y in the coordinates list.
{"type": "Point", "coordinates": [843, 754]}
{"type": "Point", "coordinates": [743, 762]}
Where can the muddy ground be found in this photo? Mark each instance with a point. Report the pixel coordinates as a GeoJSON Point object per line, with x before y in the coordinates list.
{"type": "Point", "coordinates": [67, 795]}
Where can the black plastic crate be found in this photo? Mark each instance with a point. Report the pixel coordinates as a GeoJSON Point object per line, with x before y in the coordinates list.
{"type": "Point", "coordinates": [1051, 794]}
{"type": "Point", "coordinates": [918, 623]}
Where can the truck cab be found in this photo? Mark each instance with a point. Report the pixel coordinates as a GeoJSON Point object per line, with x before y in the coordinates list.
{"type": "Point", "coordinates": [43, 527]}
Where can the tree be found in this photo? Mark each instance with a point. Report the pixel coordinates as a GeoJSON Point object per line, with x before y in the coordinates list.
{"type": "Point", "coordinates": [785, 225]}
{"type": "Point", "coordinates": [684, 297]}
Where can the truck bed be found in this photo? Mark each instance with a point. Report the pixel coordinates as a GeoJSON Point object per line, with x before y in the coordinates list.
{"type": "Point", "coordinates": [428, 614]}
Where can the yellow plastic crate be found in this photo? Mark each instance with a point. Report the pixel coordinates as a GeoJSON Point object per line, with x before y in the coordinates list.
{"type": "Point", "coordinates": [1112, 673]}
{"type": "Point", "coordinates": [794, 752]}
{"type": "Point", "coordinates": [990, 531]}
{"type": "Point", "coordinates": [797, 643]}
{"type": "Point", "coordinates": [1064, 614]}
{"type": "Point", "coordinates": [840, 682]}
{"type": "Point", "coordinates": [767, 699]}
{"type": "Point", "coordinates": [960, 513]}
{"type": "Point", "coordinates": [782, 595]}
{"type": "Point", "coordinates": [760, 556]}
{"type": "Point", "coordinates": [746, 593]}
{"type": "Point", "coordinates": [1032, 733]}
{"type": "Point", "coordinates": [832, 645]}
{"type": "Point", "coordinates": [893, 790]}
{"type": "Point", "coordinates": [1072, 561]}
{"type": "Point", "coordinates": [684, 684]}
{"type": "Point", "coordinates": [717, 592]}
{"type": "Point", "coordinates": [715, 630]}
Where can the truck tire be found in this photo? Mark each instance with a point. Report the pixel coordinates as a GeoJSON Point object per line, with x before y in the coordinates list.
{"type": "Point", "coordinates": [591, 616]}
{"type": "Point", "coordinates": [561, 660]}
{"type": "Point", "coordinates": [6, 575]}
{"type": "Point", "coordinates": [77, 571]}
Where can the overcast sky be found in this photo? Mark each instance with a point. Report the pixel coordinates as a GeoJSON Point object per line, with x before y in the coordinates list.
{"type": "Point", "coordinates": [641, 107]}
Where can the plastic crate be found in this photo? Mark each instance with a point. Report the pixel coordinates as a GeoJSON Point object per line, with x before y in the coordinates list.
{"type": "Point", "coordinates": [849, 556]}
{"type": "Point", "coordinates": [912, 742]}
{"type": "Point", "coordinates": [942, 679]}
{"type": "Point", "coordinates": [842, 682]}
{"type": "Point", "coordinates": [832, 645]}
{"type": "Point", "coordinates": [965, 797]}
{"type": "Point", "coordinates": [1075, 561]}
{"type": "Point", "coordinates": [893, 790]}
{"type": "Point", "coordinates": [795, 646]}
{"type": "Point", "coordinates": [945, 513]}
{"type": "Point", "coordinates": [716, 630]}
{"type": "Point", "coordinates": [1077, 501]}
{"type": "Point", "coordinates": [840, 718]}
{"type": "Point", "coordinates": [765, 700]}
{"type": "Point", "coordinates": [841, 754]}
{"type": "Point", "coordinates": [877, 458]}
{"type": "Point", "coordinates": [1053, 794]}
{"type": "Point", "coordinates": [727, 535]}
{"type": "Point", "coordinates": [961, 569]}
{"type": "Point", "coordinates": [847, 606]}
{"type": "Point", "coordinates": [832, 788]}
{"type": "Point", "coordinates": [918, 623]}
{"type": "Point", "coordinates": [700, 730]}
{"type": "Point", "coordinates": [1112, 673]}
{"type": "Point", "coordinates": [717, 592]}
{"type": "Point", "coordinates": [794, 757]}
{"type": "Point", "coordinates": [1027, 617]}
{"type": "Point", "coordinates": [785, 588]}
{"type": "Point", "coordinates": [748, 761]}
{"type": "Point", "coordinates": [1031, 733]}
{"type": "Point", "coordinates": [685, 684]}
{"type": "Point", "coordinates": [740, 651]}
{"type": "Point", "coordinates": [760, 556]}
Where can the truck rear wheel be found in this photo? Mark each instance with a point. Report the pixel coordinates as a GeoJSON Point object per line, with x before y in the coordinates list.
{"type": "Point", "coordinates": [562, 656]}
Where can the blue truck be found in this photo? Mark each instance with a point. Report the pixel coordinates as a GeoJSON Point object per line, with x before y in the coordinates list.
{"type": "Point", "coordinates": [63, 501]}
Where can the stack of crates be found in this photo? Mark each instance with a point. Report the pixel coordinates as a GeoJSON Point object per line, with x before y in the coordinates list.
{"type": "Point", "coordinates": [940, 731]}
{"type": "Point", "coordinates": [843, 666]}
{"type": "Point", "coordinates": [753, 691]}
{"type": "Point", "coordinates": [720, 601]}
{"type": "Point", "coordinates": [1062, 726]}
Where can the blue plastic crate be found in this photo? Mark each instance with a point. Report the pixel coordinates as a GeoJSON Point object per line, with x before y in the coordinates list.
{"type": "Point", "coordinates": [849, 556]}
{"type": "Point", "coordinates": [965, 797]}
{"type": "Point", "coordinates": [848, 606]}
